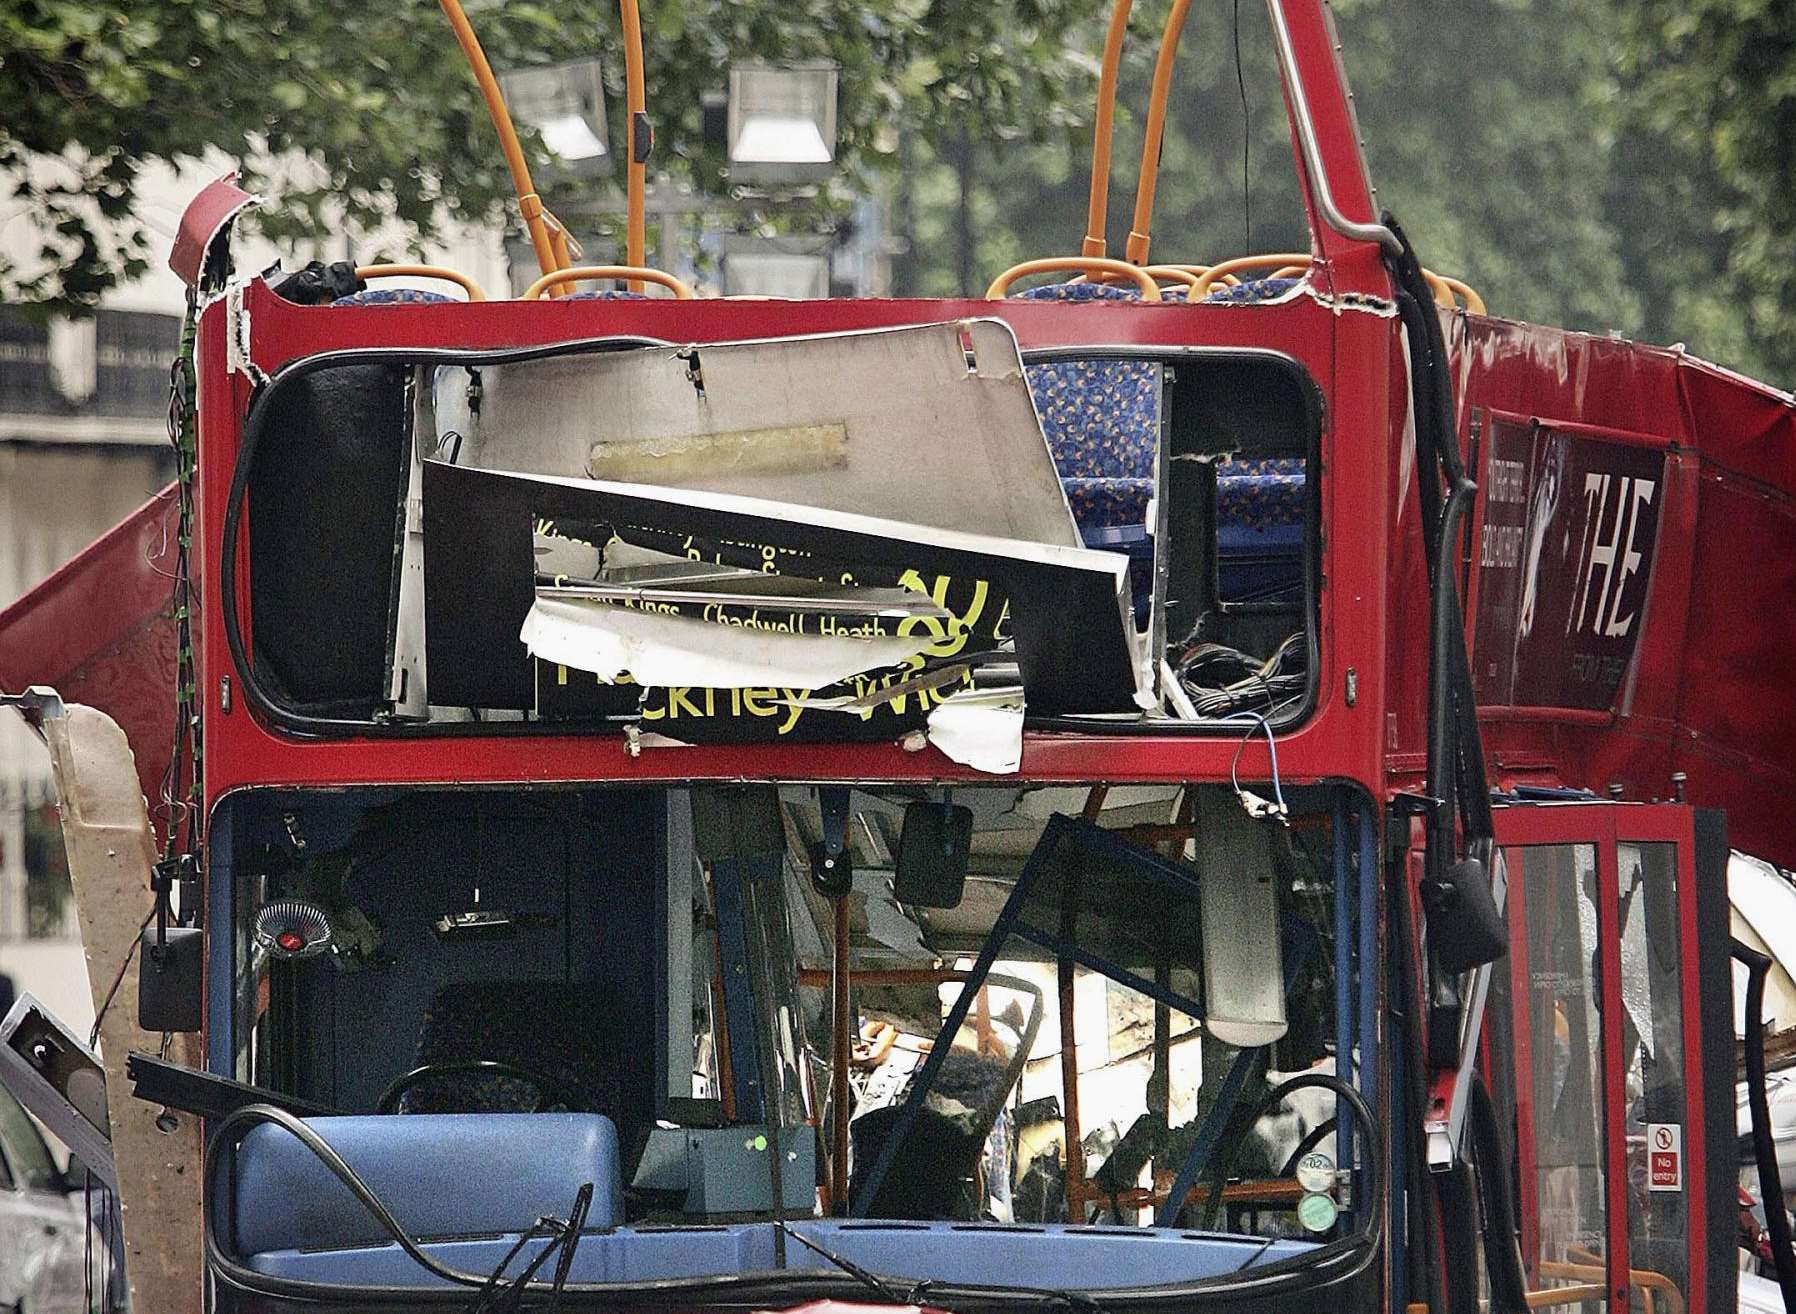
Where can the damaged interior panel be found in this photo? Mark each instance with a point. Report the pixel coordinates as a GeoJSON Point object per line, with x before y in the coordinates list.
{"type": "Point", "coordinates": [844, 537]}
{"type": "Point", "coordinates": [929, 1032]}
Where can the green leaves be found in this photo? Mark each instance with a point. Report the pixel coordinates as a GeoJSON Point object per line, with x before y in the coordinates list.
{"type": "Point", "coordinates": [377, 100]}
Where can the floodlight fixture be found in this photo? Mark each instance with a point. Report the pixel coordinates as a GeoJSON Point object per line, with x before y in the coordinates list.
{"type": "Point", "coordinates": [782, 123]}
{"type": "Point", "coordinates": [796, 268]}
{"type": "Point", "coordinates": [565, 103]}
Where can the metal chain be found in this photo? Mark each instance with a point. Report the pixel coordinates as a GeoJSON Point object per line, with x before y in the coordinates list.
{"type": "Point", "coordinates": [181, 829]}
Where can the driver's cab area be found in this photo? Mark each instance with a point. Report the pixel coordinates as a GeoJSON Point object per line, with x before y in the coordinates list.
{"type": "Point", "coordinates": [793, 1040]}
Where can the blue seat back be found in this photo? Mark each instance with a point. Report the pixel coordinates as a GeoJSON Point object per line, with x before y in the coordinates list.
{"type": "Point", "coordinates": [441, 1175]}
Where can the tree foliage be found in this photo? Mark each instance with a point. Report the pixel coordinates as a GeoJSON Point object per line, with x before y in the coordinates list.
{"type": "Point", "coordinates": [377, 100]}
{"type": "Point", "coordinates": [1572, 161]}
{"type": "Point", "coordinates": [1612, 165]}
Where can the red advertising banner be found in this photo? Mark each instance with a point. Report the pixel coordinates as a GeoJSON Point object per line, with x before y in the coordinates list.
{"type": "Point", "coordinates": [1564, 556]}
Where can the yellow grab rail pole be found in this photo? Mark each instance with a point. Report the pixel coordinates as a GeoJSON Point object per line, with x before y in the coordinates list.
{"type": "Point", "coordinates": [640, 135]}
{"type": "Point", "coordinates": [530, 205]}
{"type": "Point", "coordinates": [1149, 177]}
{"type": "Point", "coordinates": [1098, 210]}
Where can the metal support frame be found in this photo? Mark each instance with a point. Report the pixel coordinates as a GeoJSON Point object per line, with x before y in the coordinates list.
{"type": "Point", "coordinates": [1444, 1124]}
{"type": "Point", "coordinates": [1305, 124]}
{"type": "Point", "coordinates": [1059, 828]}
{"type": "Point", "coordinates": [738, 990]}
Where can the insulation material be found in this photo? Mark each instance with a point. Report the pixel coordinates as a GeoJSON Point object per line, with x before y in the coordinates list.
{"type": "Point", "coordinates": [649, 648]}
{"type": "Point", "coordinates": [688, 458]}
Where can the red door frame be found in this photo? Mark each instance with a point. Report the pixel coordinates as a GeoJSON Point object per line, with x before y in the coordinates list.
{"type": "Point", "coordinates": [1604, 825]}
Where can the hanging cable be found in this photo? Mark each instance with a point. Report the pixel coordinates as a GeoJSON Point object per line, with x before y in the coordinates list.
{"type": "Point", "coordinates": [1246, 136]}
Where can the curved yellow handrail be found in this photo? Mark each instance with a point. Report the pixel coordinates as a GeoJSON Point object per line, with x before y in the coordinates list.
{"type": "Point", "coordinates": [1172, 274]}
{"type": "Point", "coordinates": [1097, 210]}
{"type": "Point", "coordinates": [530, 205]}
{"type": "Point", "coordinates": [1199, 270]}
{"type": "Point", "coordinates": [1216, 272]}
{"type": "Point", "coordinates": [1150, 290]}
{"type": "Point", "coordinates": [1652, 1285]}
{"type": "Point", "coordinates": [461, 280]}
{"type": "Point", "coordinates": [635, 274]}
{"type": "Point", "coordinates": [1473, 302]}
{"type": "Point", "coordinates": [1147, 179]}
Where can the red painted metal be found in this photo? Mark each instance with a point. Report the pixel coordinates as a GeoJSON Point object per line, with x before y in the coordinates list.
{"type": "Point", "coordinates": [101, 631]}
{"type": "Point", "coordinates": [201, 222]}
{"type": "Point", "coordinates": [1711, 690]}
{"type": "Point", "coordinates": [1677, 826]}
{"type": "Point", "coordinates": [1338, 741]}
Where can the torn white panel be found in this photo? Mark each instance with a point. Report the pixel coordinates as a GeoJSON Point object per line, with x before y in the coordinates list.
{"type": "Point", "coordinates": [981, 728]}
{"type": "Point", "coordinates": [682, 652]}
{"type": "Point", "coordinates": [930, 424]}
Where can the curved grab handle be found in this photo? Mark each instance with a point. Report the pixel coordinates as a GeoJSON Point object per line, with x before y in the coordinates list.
{"type": "Point", "coordinates": [1186, 278]}
{"type": "Point", "coordinates": [1150, 290]}
{"type": "Point", "coordinates": [634, 273]}
{"type": "Point", "coordinates": [1473, 302]}
{"type": "Point", "coordinates": [1216, 273]}
{"type": "Point", "coordinates": [460, 280]}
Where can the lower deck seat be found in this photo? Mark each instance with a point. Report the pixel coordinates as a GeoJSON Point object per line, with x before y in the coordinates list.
{"type": "Point", "coordinates": [450, 1175]}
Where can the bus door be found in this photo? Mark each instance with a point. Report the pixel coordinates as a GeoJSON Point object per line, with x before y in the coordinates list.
{"type": "Point", "coordinates": [1609, 1051]}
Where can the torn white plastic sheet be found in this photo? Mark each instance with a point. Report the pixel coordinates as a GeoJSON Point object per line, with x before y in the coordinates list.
{"type": "Point", "coordinates": [683, 652]}
{"type": "Point", "coordinates": [981, 728]}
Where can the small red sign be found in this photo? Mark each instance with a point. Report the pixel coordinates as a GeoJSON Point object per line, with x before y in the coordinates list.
{"type": "Point", "coordinates": [1665, 1156]}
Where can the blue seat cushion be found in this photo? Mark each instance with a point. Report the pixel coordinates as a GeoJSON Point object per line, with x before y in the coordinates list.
{"type": "Point", "coordinates": [1101, 417]}
{"type": "Point", "coordinates": [1255, 289]}
{"type": "Point", "coordinates": [1081, 292]}
{"type": "Point", "coordinates": [441, 1175]}
{"type": "Point", "coordinates": [1109, 503]}
{"type": "Point", "coordinates": [1259, 495]}
{"type": "Point", "coordinates": [391, 296]}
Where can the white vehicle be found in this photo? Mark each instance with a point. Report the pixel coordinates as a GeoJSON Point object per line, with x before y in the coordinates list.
{"type": "Point", "coordinates": [42, 1230]}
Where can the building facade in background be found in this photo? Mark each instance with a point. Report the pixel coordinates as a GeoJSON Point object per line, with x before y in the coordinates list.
{"type": "Point", "coordinates": [83, 442]}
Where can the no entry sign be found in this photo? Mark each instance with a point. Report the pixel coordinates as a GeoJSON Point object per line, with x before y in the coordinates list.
{"type": "Point", "coordinates": [1664, 1156]}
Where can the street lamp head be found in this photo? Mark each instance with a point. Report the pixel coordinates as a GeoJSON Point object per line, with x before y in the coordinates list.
{"type": "Point", "coordinates": [565, 103]}
{"type": "Point", "coordinates": [782, 123]}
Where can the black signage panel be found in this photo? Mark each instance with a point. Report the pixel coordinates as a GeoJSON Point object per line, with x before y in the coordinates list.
{"type": "Point", "coordinates": [1564, 560]}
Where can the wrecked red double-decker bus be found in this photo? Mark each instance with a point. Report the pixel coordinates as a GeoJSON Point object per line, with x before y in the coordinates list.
{"type": "Point", "coordinates": [1178, 786]}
